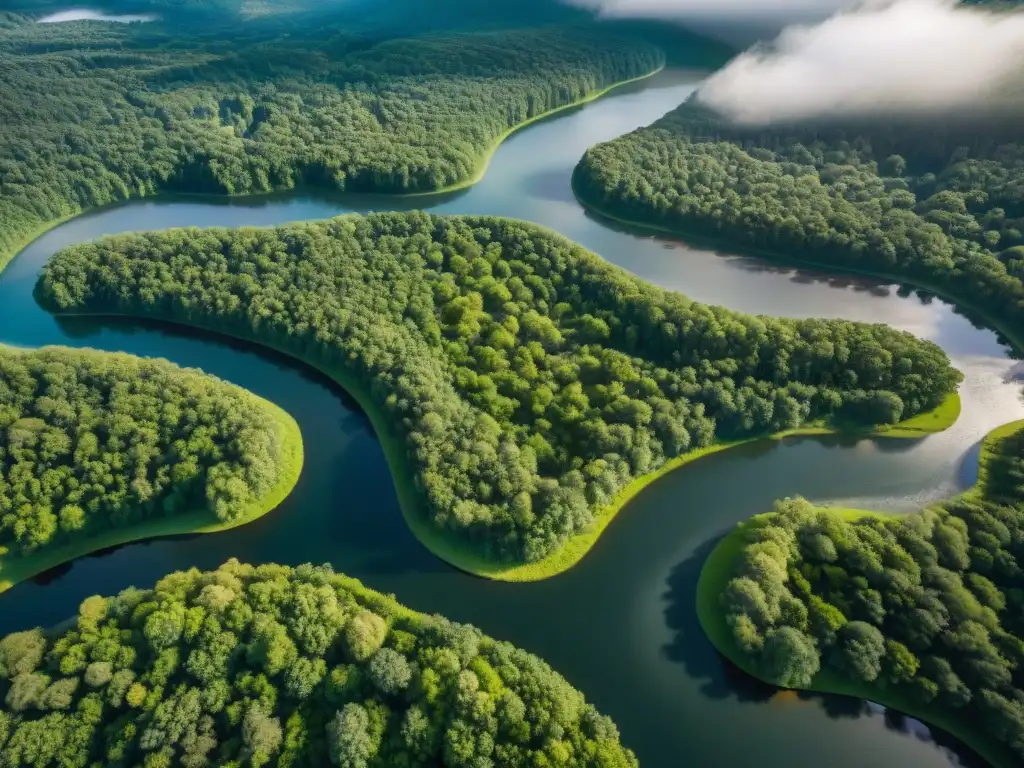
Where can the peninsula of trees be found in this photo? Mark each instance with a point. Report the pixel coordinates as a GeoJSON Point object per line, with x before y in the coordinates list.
{"type": "Point", "coordinates": [924, 612]}
{"type": "Point", "coordinates": [270, 665]}
{"type": "Point", "coordinates": [940, 205]}
{"type": "Point", "coordinates": [97, 113]}
{"type": "Point", "coordinates": [517, 380]}
{"type": "Point", "coordinates": [98, 448]}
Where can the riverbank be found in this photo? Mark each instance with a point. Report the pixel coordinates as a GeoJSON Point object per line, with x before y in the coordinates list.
{"type": "Point", "coordinates": [16, 570]}
{"type": "Point", "coordinates": [717, 572]}
{"type": "Point", "coordinates": [462, 556]}
{"type": "Point", "coordinates": [7, 255]}
{"type": "Point", "coordinates": [1014, 336]}
{"type": "Point", "coordinates": [485, 161]}
{"type": "Point", "coordinates": [930, 422]}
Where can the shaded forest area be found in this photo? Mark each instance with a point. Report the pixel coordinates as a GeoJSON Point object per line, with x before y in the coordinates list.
{"type": "Point", "coordinates": [288, 667]}
{"type": "Point", "coordinates": [528, 380]}
{"type": "Point", "coordinates": [930, 605]}
{"type": "Point", "coordinates": [95, 113]}
{"type": "Point", "coordinates": [91, 441]}
{"type": "Point", "coordinates": [941, 205]}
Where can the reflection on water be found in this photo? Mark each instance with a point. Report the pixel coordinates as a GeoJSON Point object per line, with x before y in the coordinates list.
{"type": "Point", "coordinates": [87, 14]}
{"type": "Point", "coordinates": [720, 679]}
{"type": "Point", "coordinates": [621, 625]}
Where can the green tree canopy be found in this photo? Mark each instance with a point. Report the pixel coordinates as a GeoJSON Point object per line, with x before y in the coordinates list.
{"type": "Point", "coordinates": [931, 603]}
{"type": "Point", "coordinates": [91, 441]}
{"type": "Point", "coordinates": [98, 692]}
{"type": "Point", "coordinates": [527, 380]}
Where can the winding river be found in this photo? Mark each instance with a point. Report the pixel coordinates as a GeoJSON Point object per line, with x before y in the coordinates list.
{"type": "Point", "coordinates": [621, 625]}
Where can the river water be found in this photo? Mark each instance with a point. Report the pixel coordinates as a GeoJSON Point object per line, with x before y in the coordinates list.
{"type": "Point", "coordinates": [621, 625]}
{"type": "Point", "coordinates": [88, 14]}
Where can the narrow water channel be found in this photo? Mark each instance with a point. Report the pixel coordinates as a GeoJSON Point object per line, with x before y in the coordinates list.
{"type": "Point", "coordinates": [621, 625]}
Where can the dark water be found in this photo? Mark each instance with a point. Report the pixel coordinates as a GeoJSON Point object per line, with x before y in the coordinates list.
{"type": "Point", "coordinates": [621, 625]}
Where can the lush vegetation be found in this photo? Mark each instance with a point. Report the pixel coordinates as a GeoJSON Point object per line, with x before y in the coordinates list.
{"type": "Point", "coordinates": [96, 113]}
{"type": "Point", "coordinates": [526, 380]}
{"type": "Point", "coordinates": [93, 443]}
{"type": "Point", "coordinates": [421, 15]}
{"type": "Point", "coordinates": [941, 205]}
{"type": "Point", "coordinates": [925, 611]}
{"type": "Point", "coordinates": [269, 665]}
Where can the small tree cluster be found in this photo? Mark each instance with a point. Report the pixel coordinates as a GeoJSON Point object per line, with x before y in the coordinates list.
{"type": "Point", "coordinates": [91, 441]}
{"type": "Point", "coordinates": [932, 603]}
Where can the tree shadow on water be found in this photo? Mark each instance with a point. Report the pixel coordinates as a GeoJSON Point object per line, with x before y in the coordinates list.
{"type": "Point", "coordinates": [721, 679]}
{"type": "Point", "coordinates": [967, 472]}
{"type": "Point", "coordinates": [58, 572]}
{"type": "Point", "coordinates": [689, 646]}
{"type": "Point", "coordinates": [847, 707]}
{"type": "Point", "coordinates": [909, 726]}
{"type": "Point", "coordinates": [851, 439]}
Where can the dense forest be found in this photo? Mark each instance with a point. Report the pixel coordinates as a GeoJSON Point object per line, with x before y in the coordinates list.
{"type": "Point", "coordinates": [370, 21]}
{"type": "Point", "coordinates": [527, 379]}
{"type": "Point", "coordinates": [395, 15]}
{"type": "Point", "coordinates": [91, 441]}
{"type": "Point", "coordinates": [95, 113]}
{"type": "Point", "coordinates": [940, 204]}
{"type": "Point", "coordinates": [270, 665]}
{"type": "Point", "coordinates": [930, 604]}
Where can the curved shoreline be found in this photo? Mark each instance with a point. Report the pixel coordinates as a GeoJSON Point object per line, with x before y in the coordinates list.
{"type": "Point", "coordinates": [718, 569]}
{"type": "Point", "coordinates": [22, 569]}
{"type": "Point", "coordinates": [485, 161]}
{"type": "Point", "coordinates": [459, 555]}
{"type": "Point", "coordinates": [8, 255]}
{"type": "Point", "coordinates": [1015, 337]}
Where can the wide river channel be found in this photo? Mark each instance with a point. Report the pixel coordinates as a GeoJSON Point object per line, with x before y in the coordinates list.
{"type": "Point", "coordinates": [621, 625]}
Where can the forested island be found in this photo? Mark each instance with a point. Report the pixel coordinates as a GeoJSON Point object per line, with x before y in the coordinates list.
{"type": "Point", "coordinates": [518, 381]}
{"type": "Point", "coordinates": [270, 665]}
{"type": "Point", "coordinates": [922, 612]}
{"type": "Point", "coordinates": [137, 109]}
{"type": "Point", "coordinates": [939, 205]}
{"type": "Point", "coordinates": [100, 448]}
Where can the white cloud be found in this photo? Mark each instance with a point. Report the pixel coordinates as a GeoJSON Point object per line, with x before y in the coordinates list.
{"type": "Point", "coordinates": [883, 57]}
{"type": "Point", "coordinates": [686, 9]}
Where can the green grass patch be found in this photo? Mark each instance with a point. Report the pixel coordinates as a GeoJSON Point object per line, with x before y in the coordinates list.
{"type": "Point", "coordinates": [719, 567]}
{"type": "Point", "coordinates": [15, 570]}
{"type": "Point", "coordinates": [988, 451]}
{"type": "Point", "coordinates": [936, 420]}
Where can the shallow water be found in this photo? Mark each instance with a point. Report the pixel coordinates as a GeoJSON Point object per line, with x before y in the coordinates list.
{"type": "Point", "coordinates": [621, 625]}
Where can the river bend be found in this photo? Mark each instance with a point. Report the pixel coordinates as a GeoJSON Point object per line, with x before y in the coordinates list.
{"type": "Point", "coordinates": [620, 626]}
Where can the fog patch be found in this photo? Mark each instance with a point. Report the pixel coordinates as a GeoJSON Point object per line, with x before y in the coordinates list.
{"type": "Point", "coordinates": [87, 14]}
{"type": "Point", "coordinates": [903, 57]}
{"type": "Point", "coordinates": [716, 9]}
